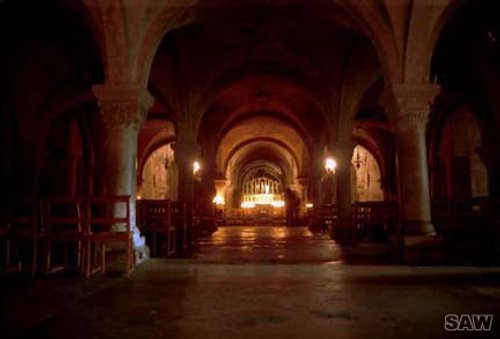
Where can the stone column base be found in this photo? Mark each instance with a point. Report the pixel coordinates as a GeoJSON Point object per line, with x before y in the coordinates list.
{"type": "Point", "coordinates": [418, 228]}
{"type": "Point", "coordinates": [342, 232]}
{"type": "Point", "coordinates": [141, 254]}
{"type": "Point", "coordinates": [423, 249]}
{"type": "Point", "coordinates": [315, 225]}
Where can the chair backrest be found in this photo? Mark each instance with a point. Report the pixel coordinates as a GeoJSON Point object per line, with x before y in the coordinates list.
{"type": "Point", "coordinates": [62, 214]}
{"type": "Point", "coordinates": [179, 212]}
{"type": "Point", "coordinates": [23, 214]}
{"type": "Point", "coordinates": [328, 210]}
{"type": "Point", "coordinates": [157, 213]}
{"type": "Point", "coordinates": [108, 213]}
{"type": "Point", "coordinates": [140, 213]}
{"type": "Point", "coordinates": [375, 212]}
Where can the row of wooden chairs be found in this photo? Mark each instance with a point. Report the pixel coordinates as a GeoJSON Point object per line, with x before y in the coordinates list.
{"type": "Point", "coordinates": [370, 220]}
{"type": "Point", "coordinates": [171, 227]}
{"type": "Point", "coordinates": [157, 221]}
{"type": "Point", "coordinates": [469, 220]}
{"type": "Point", "coordinates": [374, 220]}
{"type": "Point", "coordinates": [74, 233]}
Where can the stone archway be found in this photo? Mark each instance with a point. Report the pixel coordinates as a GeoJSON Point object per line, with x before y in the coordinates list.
{"type": "Point", "coordinates": [366, 170]}
{"type": "Point", "coordinates": [462, 172]}
{"type": "Point", "coordinates": [158, 179]}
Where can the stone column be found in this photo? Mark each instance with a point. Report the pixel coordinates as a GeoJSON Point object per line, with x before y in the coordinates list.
{"type": "Point", "coordinates": [209, 190]}
{"type": "Point", "coordinates": [186, 152]}
{"type": "Point", "coordinates": [123, 109]}
{"type": "Point", "coordinates": [343, 153]}
{"type": "Point", "coordinates": [317, 168]}
{"type": "Point", "coordinates": [412, 109]}
{"type": "Point", "coordinates": [304, 184]}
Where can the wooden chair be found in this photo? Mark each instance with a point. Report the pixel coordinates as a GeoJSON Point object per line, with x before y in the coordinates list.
{"type": "Point", "coordinates": [328, 215]}
{"type": "Point", "coordinates": [157, 222]}
{"type": "Point", "coordinates": [5, 239]}
{"type": "Point", "coordinates": [193, 223]}
{"type": "Point", "coordinates": [107, 221]}
{"type": "Point", "coordinates": [374, 220]}
{"type": "Point", "coordinates": [204, 219]}
{"type": "Point", "coordinates": [22, 234]}
{"type": "Point", "coordinates": [62, 224]}
{"type": "Point", "coordinates": [181, 224]}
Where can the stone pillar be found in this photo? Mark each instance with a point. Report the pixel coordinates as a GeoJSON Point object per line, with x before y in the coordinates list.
{"type": "Point", "coordinates": [317, 169]}
{"type": "Point", "coordinates": [344, 229]}
{"type": "Point", "coordinates": [186, 152]}
{"type": "Point", "coordinates": [304, 189]}
{"type": "Point", "coordinates": [208, 181]}
{"type": "Point", "coordinates": [123, 109]}
{"type": "Point", "coordinates": [412, 108]}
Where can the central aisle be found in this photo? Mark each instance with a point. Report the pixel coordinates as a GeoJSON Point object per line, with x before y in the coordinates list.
{"type": "Point", "coordinates": [267, 244]}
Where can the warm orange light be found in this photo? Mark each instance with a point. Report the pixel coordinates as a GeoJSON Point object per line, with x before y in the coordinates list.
{"type": "Point", "coordinates": [330, 165]}
{"type": "Point", "coordinates": [196, 167]}
{"type": "Point", "coordinates": [278, 203]}
{"type": "Point", "coordinates": [218, 200]}
{"type": "Point", "coordinates": [309, 205]}
{"type": "Point", "coordinates": [247, 204]}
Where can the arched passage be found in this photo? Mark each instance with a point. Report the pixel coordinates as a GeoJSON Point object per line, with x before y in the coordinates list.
{"type": "Point", "coordinates": [158, 177]}
{"type": "Point", "coordinates": [462, 173]}
{"type": "Point", "coordinates": [367, 176]}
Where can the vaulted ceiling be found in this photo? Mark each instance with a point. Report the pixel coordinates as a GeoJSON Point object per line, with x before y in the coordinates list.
{"type": "Point", "coordinates": [286, 59]}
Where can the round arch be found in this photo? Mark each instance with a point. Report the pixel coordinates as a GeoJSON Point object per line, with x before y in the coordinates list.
{"type": "Point", "coordinates": [368, 178]}
{"type": "Point", "coordinates": [262, 129]}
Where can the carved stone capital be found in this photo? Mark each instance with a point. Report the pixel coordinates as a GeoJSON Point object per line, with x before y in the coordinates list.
{"type": "Point", "coordinates": [412, 121]}
{"type": "Point", "coordinates": [414, 97]}
{"type": "Point", "coordinates": [122, 106]}
{"type": "Point", "coordinates": [412, 103]}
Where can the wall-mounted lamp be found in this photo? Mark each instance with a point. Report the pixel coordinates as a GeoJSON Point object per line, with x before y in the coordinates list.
{"type": "Point", "coordinates": [330, 165]}
{"type": "Point", "coordinates": [357, 161]}
{"type": "Point", "coordinates": [218, 200]}
{"type": "Point", "coordinates": [196, 167]}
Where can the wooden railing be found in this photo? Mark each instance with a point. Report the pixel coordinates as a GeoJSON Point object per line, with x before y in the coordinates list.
{"type": "Point", "coordinates": [260, 215]}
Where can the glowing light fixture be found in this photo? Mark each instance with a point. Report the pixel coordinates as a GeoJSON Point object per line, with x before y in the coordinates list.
{"type": "Point", "coordinates": [218, 200]}
{"type": "Point", "coordinates": [330, 165]}
{"type": "Point", "coordinates": [196, 167]}
{"type": "Point", "coordinates": [309, 205]}
{"type": "Point", "coordinates": [247, 204]}
{"type": "Point", "coordinates": [278, 203]}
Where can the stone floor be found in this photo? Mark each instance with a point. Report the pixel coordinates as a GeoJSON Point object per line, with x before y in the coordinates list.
{"type": "Point", "coordinates": [254, 282]}
{"type": "Point", "coordinates": [267, 245]}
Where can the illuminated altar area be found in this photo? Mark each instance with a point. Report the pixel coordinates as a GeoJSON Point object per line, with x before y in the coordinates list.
{"type": "Point", "coordinates": [261, 199]}
{"type": "Point", "coordinates": [262, 191]}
